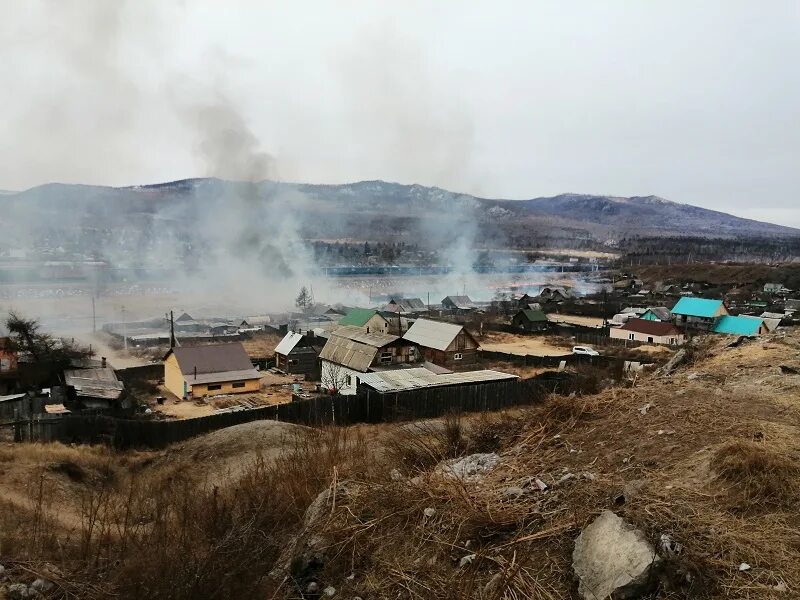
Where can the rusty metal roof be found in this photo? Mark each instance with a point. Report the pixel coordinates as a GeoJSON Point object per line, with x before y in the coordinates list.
{"type": "Point", "coordinates": [408, 379]}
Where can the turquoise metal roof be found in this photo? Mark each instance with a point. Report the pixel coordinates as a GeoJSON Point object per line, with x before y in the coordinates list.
{"type": "Point", "coordinates": [738, 325]}
{"type": "Point", "coordinates": [696, 307]}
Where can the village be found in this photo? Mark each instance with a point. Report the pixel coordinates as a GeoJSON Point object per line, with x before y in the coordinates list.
{"type": "Point", "coordinates": [442, 355]}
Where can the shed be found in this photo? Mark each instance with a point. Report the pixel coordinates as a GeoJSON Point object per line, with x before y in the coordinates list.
{"type": "Point", "coordinates": [97, 389]}
{"type": "Point", "coordinates": [214, 369]}
{"type": "Point", "coordinates": [295, 355]}
{"type": "Point", "coordinates": [446, 344]}
{"type": "Point", "coordinates": [698, 313]}
{"type": "Point", "coordinates": [530, 320]}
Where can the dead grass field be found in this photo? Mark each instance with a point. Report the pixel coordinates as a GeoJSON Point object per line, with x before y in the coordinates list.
{"type": "Point", "coordinates": [576, 320]}
{"type": "Point", "coordinates": [708, 456]}
{"type": "Point", "coordinates": [497, 341]}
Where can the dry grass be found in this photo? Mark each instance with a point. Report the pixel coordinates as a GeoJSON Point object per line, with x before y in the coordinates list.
{"type": "Point", "coordinates": [714, 458]}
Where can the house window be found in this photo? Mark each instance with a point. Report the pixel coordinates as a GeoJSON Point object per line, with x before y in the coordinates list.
{"type": "Point", "coordinates": [386, 357]}
{"type": "Point", "coordinates": [238, 384]}
{"type": "Point", "coordinates": [214, 387]}
{"type": "Point", "coordinates": [293, 362]}
{"type": "Point", "coordinates": [458, 356]}
{"type": "Point", "coordinates": [348, 380]}
{"type": "Point", "coordinates": [630, 336]}
{"type": "Point", "coordinates": [649, 340]}
{"type": "Point", "coordinates": [367, 328]}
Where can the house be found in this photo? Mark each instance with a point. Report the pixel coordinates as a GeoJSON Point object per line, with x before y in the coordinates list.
{"type": "Point", "coordinates": [741, 325]}
{"type": "Point", "coordinates": [295, 354]}
{"type": "Point", "coordinates": [405, 305]}
{"type": "Point", "coordinates": [792, 305]}
{"type": "Point", "coordinates": [554, 294]}
{"type": "Point", "coordinates": [462, 303]}
{"type": "Point", "coordinates": [367, 319]}
{"type": "Point", "coordinates": [94, 389]}
{"type": "Point", "coordinates": [649, 332]}
{"type": "Point", "coordinates": [773, 288]}
{"type": "Point", "coordinates": [656, 313]}
{"type": "Point", "coordinates": [350, 351]}
{"type": "Point", "coordinates": [447, 344]}
{"type": "Point", "coordinates": [199, 371]}
{"type": "Point", "coordinates": [698, 313]}
{"type": "Point", "coordinates": [255, 322]}
{"type": "Point", "coordinates": [398, 324]}
{"type": "Point", "coordinates": [525, 301]}
{"type": "Point", "coordinates": [530, 320]}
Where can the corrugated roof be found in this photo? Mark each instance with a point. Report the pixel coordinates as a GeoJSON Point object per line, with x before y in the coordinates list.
{"type": "Point", "coordinates": [349, 353]}
{"type": "Point", "coordinates": [741, 325]}
{"type": "Point", "coordinates": [462, 302]}
{"type": "Point", "coordinates": [287, 344]}
{"type": "Point", "coordinates": [376, 340]}
{"type": "Point", "coordinates": [697, 307]}
{"type": "Point", "coordinates": [646, 327]}
{"type": "Point", "coordinates": [358, 317]}
{"type": "Point", "coordinates": [432, 334]}
{"type": "Point", "coordinates": [94, 383]}
{"type": "Point", "coordinates": [408, 379]}
{"type": "Point", "coordinates": [662, 313]}
{"type": "Point", "coordinates": [12, 397]}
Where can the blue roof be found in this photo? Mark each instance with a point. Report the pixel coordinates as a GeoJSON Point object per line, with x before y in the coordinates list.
{"type": "Point", "coordinates": [697, 307]}
{"type": "Point", "coordinates": [738, 325]}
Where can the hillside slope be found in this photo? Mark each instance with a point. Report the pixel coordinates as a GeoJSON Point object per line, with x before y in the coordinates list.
{"type": "Point", "coordinates": [709, 457]}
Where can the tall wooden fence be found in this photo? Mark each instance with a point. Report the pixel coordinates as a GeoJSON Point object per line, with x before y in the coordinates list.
{"type": "Point", "coordinates": [365, 407]}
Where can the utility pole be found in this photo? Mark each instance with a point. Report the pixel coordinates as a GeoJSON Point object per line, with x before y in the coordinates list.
{"type": "Point", "coordinates": [124, 329]}
{"type": "Point", "coordinates": [94, 317]}
{"type": "Point", "coordinates": [171, 330]}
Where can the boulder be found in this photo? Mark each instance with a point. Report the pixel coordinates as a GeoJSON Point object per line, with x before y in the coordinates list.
{"type": "Point", "coordinates": [613, 559]}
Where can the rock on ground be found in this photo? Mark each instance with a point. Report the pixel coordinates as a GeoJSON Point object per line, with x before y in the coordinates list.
{"type": "Point", "coordinates": [470, 467]}
{"type": "Point", "coordinates": [613, 559]}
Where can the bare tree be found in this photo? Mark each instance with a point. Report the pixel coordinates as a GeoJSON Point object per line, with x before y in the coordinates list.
{"type": "Point", "coordinates": [334, 377]}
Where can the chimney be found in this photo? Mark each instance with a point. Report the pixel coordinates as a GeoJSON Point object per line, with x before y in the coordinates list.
{"type": "Point", "coordinates": [103, 361]}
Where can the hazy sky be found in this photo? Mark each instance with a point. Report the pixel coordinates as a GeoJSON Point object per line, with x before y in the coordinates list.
{"type": "Point", "coordinates": [698, 102]}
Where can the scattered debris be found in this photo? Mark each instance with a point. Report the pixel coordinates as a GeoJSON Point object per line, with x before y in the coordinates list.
{"type": "Point", "coordinates": [588, 476]}
{"type": "Point", "coordinates": [673, 363]}
{"type": "Point", "coordinates": [539, 484]}
{"type": "Point", "coordinates": [20, 591]}
{"type": "Point", "coordinates": [613, 559]}
{"type": "Point", "coordinates": [470, 467]}
{"type": "Point", "coordinates": [744, 567]}
{"type": "Point", "coordinates": [312, 588]}
{"type": "Point", "coordinates": [429, 512]}
{"type": "Point", "coordinates": [42, 585]}
{"type": "Point", "coordinates": [329, 591]}
{"type": "Point", "coordinates": [565, 478]}
{"type": "Point", "coordinates": [787, 370]}
{"type": "Point", "coordinates": [643, 410]}
{"type": "Point", "coordinates": [668, 546]}
{"type": "Point", "coordinates": [466, 560]}
{"type": "Point", "coordinates": [513, 492]}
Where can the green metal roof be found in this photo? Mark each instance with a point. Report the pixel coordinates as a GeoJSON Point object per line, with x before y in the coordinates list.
{"type": "Point", "coordinates": [358, 317]}
{"type": "Point", "coordinates": [697, 307]}
{"type": "Point", "coordinates": [741, 325]}
{"type": "Point", "coordinates": [535, 316]}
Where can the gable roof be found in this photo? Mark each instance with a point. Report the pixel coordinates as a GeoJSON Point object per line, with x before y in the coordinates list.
{"type": "Point", "coordinates": [184, 317]}
{"type": "Point", "coordinates": [354, 348]}
{"type": "Point", "coordinates": [287, 344]}
{"type": "Point", "coordinates": [94, 383]}
{"type": "Point", "coordinates": [654, 328]}
{"type": "Point", "coordinates": [534, 316]}
{"type": "Point", "coordinates": [740, 325]}
{"type": "Point", "coordinates": [406, 305]}
{"type": "Point", "coordinates": [358, 317]}
{"type": "Point", "coordinates": [433, 334]}
{"type": "Point", "coordinates": [662, 313]}
{"type": "Point", "coordinates": [462, 302]}
{"type": "Point", "coordinates": [407, 379]}
{"type": "Point", "coordinates": [215, 362]}
{"type": "Point", "coordinates": [696, 307]}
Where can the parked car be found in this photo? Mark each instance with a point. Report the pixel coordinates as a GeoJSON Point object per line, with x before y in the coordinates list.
{"type": "Point", "coordinates": [585, 350]}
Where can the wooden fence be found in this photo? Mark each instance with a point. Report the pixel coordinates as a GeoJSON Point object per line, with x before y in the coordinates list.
{"type": "Point", "coordinates": [365, 407]}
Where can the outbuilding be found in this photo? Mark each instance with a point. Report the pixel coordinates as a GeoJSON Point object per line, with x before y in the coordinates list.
{"type": "Point", "coordinates": [446, 344]}
{"type": "Point", "coordinates": [530, 320]}
{"type": "Point", "coordinates": [295, 355]}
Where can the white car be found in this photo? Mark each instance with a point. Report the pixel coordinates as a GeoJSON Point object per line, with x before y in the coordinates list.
{"type": "Point", "coordinates": [585, 350]}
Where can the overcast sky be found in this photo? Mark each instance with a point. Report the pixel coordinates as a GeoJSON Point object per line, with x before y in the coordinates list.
{"type": "Point", "coordinates": [698, 102]}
